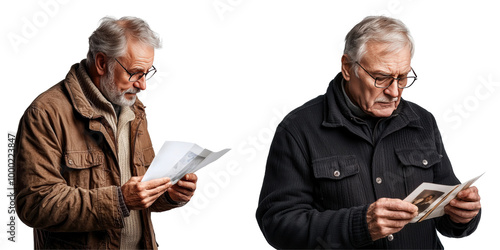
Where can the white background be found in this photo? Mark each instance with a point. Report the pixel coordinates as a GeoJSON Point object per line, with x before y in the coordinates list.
{"type": "Point", "coordinates": [230, 70]}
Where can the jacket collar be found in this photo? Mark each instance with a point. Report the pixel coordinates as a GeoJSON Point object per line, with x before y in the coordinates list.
{"type": "Point", "coordinates": [81, 100]}
{"type": "Point", "coordinates": [338, 114]}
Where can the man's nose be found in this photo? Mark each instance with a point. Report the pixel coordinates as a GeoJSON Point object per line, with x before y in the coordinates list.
{"type": "Point", "coordinates": [393, 89]}
{"type": "Point", "coordinates": [140, 84]}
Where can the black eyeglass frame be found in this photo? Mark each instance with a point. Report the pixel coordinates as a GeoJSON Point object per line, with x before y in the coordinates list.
{"type": "Point", "coordinates": [153, 70]}
{"type": "Point", "coordinates": [393, 78]}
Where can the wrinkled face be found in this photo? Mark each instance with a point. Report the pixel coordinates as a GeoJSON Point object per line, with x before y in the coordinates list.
{"type": "Point", "coordinates": [115, 84]}
{"type": "Point", "coordinates": [377, 102]}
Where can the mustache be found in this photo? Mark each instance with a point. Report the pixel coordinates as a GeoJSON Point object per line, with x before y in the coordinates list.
{"type": "Point", "coordinates": [385, 99]}
{"type": "Point", "coordinates": [132, 91]}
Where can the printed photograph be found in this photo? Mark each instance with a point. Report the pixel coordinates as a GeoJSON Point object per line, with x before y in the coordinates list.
{"type": "Point", "coordinates": [425, 199]}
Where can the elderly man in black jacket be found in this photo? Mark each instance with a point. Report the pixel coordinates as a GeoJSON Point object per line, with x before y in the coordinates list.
{"type": "Point", "coordinates": [340, 165]}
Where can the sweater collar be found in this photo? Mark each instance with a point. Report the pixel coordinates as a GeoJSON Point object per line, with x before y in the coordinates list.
{"type": "Point", "coordinates": [87, 99]}
{"type": "Point", "coordinates": [96, 99]}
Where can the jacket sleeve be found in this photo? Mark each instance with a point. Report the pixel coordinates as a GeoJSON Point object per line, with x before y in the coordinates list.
{"type": "Point", "coordinates": [43, 198]}
{"type": "Point", "coordinates": [164, 203]}
{"type": "Point", "coordinates": [286, 214]}
{"type": "Point", "coordinates": [445, 175]}
{"type": "Point", "coordinates": [456, 230]}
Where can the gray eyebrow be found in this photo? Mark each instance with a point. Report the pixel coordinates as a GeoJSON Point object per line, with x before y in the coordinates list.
{"type": "Point", "coordinates": [388, 75]}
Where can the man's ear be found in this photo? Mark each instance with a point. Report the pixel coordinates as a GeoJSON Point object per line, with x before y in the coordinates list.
{"type": "Point", "coordinates": [346, 67]}
{"type": "Point", "coordinates": [101, 63]}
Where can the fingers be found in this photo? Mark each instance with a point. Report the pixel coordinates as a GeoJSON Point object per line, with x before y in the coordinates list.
{"type": "Point", "coordinates": [179, 196]}
{"type": "Point", "coordinates": [151, 184]}
{"type": "Point", "coordinates": [465, 206]}
{"type": "Point", "coordinates": [185, 185]}
{"type": "Point", "coordinates": [188, 181]}
{"type": "Point", "coordinates": [184, 189]}
{"type": "Point", "coordinates": [469, 194]}
{"type": "Point", "coordinates": [460, 215]}
{"type": "Point", "coordinates": [467, 199]}
{"type": "Point", "coordinates": [388, 216]}
{"type": "Point", "coordinates": [394, 209]}
{"type": "Point", "coordinates": [190, 177]}
{"type": "Point", "coordinates": [397, 205]}
{"type": "Point", "coordinates": [140, 195]}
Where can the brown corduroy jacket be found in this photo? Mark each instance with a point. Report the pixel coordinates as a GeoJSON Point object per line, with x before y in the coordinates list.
{"type": "Point", "coordinates": [67, 174]}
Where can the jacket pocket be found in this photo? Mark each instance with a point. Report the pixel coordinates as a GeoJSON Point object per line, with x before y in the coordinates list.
{"type": "Point", "coordinates": [143, 159]}
{"type": "Point", "coordinates": [336, 167]}
{"type": "Point", "coordinates": [85, 169]}
{"type": "Point", "coordinates": [422, 158]}
{"type": "Point", "coordinates": [418, 165]}
{"type": "Point", "coordinates": [338, 182]}
{"type": "Point", "coordinates": [148, 156]}
{"type": "Point", "coordinates": [83, 159]}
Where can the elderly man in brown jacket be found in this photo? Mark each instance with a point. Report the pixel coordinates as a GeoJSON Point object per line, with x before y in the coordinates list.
{"type": "Point", "coordinates": [83, 146]}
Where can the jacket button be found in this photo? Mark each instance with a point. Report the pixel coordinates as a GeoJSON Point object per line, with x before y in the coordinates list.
{"type": "Point", "coordinates": [378, 180]}
{"type": "Point", "coordinates": [336, 173]}
{"type": "Point", "coordinates": [70, 162]}
{"type": "Point", "coordinates": [425, 162]}
{"type": "Point", "coordinates": [390, 237]}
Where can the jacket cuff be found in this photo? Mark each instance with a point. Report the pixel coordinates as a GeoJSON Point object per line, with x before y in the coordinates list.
{"type": "Point", "coordinates": [360, 236]}
{"type": "Point", "coordinates": [459, 230]}
{"type": "Point", "coordinates": [123, 207]}
{"type": "Point", "coordinates": [172, 202]}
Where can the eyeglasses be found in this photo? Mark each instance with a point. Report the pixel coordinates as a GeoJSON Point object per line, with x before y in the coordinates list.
{"type": "Point", "coordinates": [386, 81]}
{"type": "Point", "coordinates": [134, 77]}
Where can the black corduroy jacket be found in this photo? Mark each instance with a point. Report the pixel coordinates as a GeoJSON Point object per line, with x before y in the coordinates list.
{"type": "Point", "coordinates": [326, 166]}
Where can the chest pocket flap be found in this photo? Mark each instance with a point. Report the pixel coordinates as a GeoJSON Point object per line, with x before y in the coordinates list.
{"type": "Point", "coordinates": [423, 158]}
{"type": "Point", "coordinates": [335, 167]}
{"type": "Point", "coordinates": [83, 159]}
{"type": "Point", "coordinates": [149, 155]}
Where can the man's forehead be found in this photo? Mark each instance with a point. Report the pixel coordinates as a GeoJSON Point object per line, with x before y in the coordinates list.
{"type": "Point", "coordinates": [384, 48]}
{"type": "Point", "coordinates": [380, 56]}
{"type": "Point", "coordinates": [139, 55]}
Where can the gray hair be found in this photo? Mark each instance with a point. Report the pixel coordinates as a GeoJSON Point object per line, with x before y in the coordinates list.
{"type": "Point", "coordinates": [111, 37]}
{"type": "Point", "coordinates": [376, 29]}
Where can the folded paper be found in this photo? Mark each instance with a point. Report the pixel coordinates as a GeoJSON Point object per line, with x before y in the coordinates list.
{"type": "Point", "coordinates": [176, 159]}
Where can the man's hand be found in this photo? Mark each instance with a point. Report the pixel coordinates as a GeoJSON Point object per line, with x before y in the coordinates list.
{"type": "Point", "coordinates": [184, 189]}
{"type": "Point", "coordinates": [388, 216]}
{"type": "Point", "coordinates": [465, 206]}
{"type": "Point", "coordinates": [140, 195]}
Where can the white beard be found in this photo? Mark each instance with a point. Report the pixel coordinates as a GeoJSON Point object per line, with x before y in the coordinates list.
{"type": "Point", "coordinates": [111, 92]}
